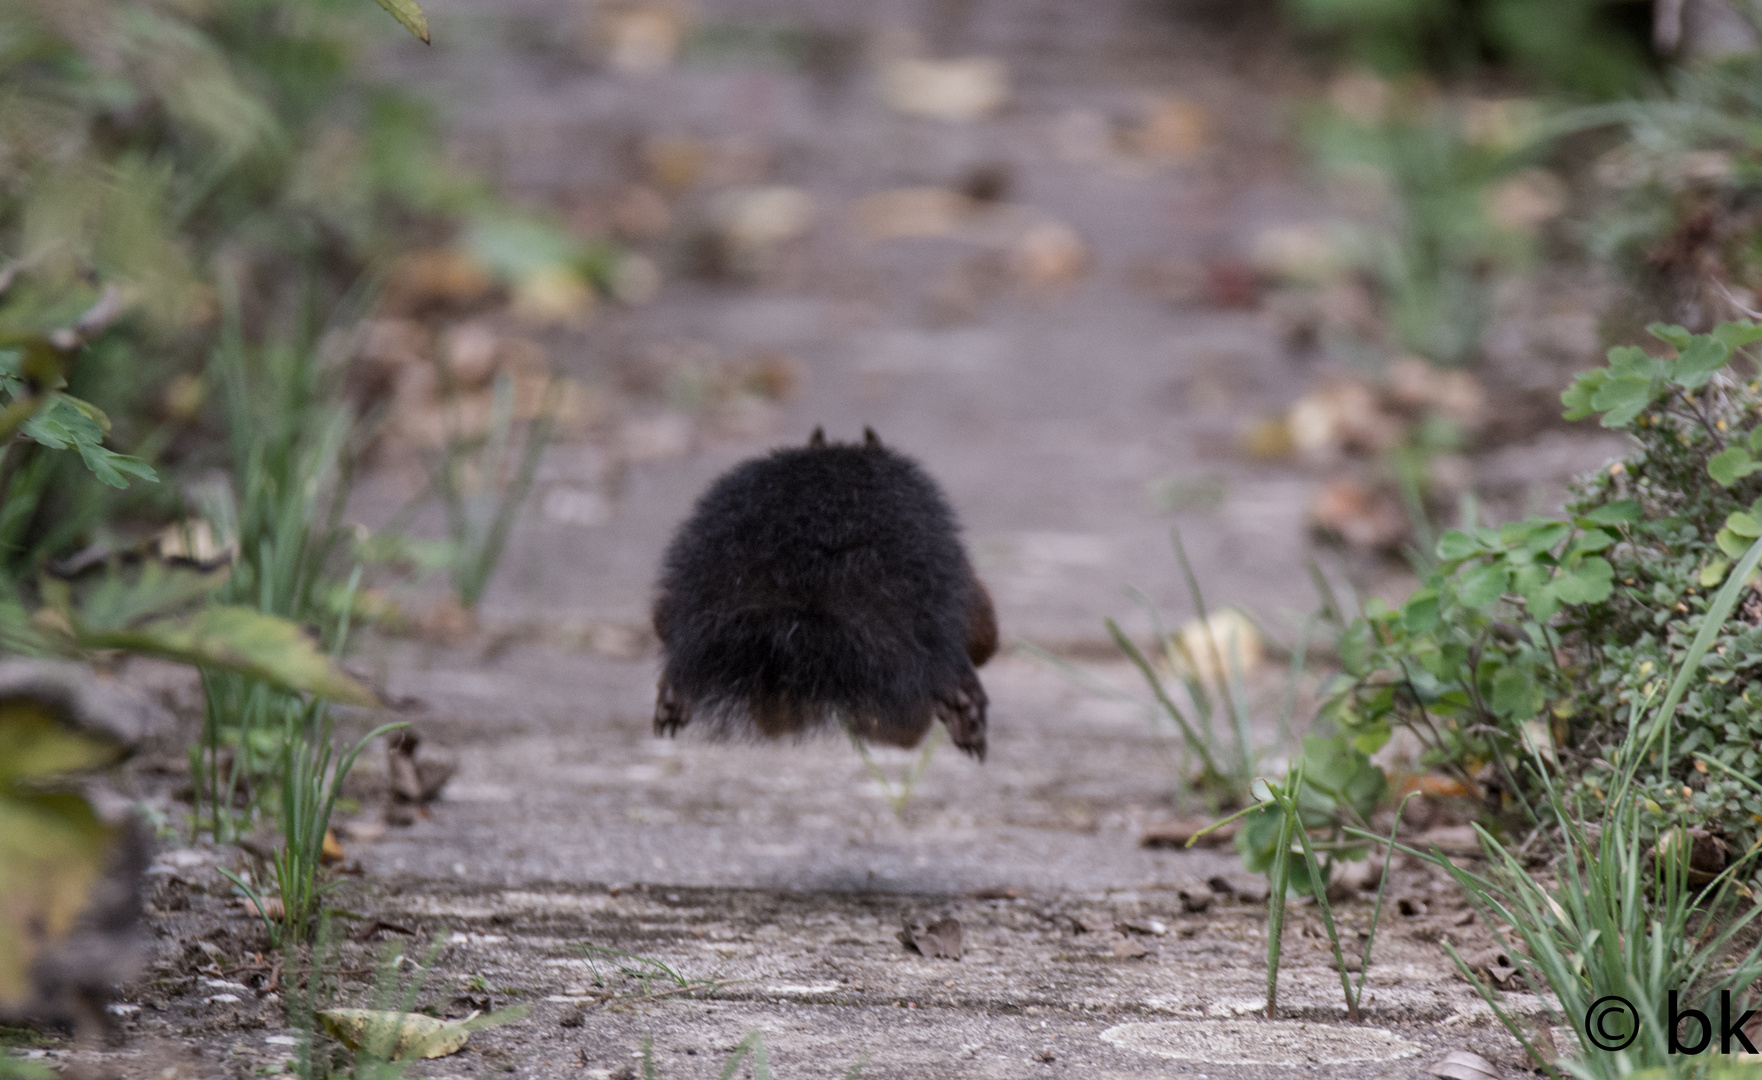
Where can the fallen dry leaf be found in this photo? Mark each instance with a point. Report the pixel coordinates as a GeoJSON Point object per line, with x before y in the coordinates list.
{"type": "Point", "coordinates": [1225, 643]}
{"type": "Point", "coordinates": [394, 1035]}
{"type": "Point", "coordinates": [414, 783]}
{"type": "Point", "coordinates": [330, 850]}
{"type": "Point", "coordinates": [1464, 1065]}
{"type": "Point", "coordinates": [437, 277]}
{"type": "Point", "coordinates": [1173, 129]}
{"type": "Point", "coordinates": [1345, 416]}
{"type": "Point", "coordinates": [967, 88]}
{"type": "Point", "coordinates": [639, 38]}
{"type": "Point", "coordinates": [1525, 202]}
{"type": "Point", "coordinates": [1301, 253]}
{"type": "Point", "coordinates": [939, 939]}
{"type": "Point", "coordinates": [1048, 254]}
{"type": "Point", "coordinates": [910, 212]}
{"type": "Point", "coordinates": [641, 214]}
{"type": "Point", "coordinates": [1359, 516]}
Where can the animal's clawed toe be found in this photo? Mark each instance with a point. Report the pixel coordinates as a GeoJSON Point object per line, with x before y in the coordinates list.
{"type": "Point", "coordinates": [963, 713]}
{"type": "Point", "coordinates": [670, 711]}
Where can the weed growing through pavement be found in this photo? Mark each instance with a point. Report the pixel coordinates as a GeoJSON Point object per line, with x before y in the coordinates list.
{"type": "Point", "coordinates": [900, 795]}
{"type": "Point", "coordinates": [752, 1046]}
{"type": "Point", "coordinates": [1621, 920]}
{"type": "Point", "coordinates": [384, 1040]}
{"type": "Point", "coordinates": [646, 972]}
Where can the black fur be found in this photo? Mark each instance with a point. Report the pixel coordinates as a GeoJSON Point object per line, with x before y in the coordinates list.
{"type": "Point", "coordinates": [823, 584]}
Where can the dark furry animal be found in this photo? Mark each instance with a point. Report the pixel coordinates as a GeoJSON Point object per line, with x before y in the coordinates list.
{"type": "Point", "coordinates": [821, 584]}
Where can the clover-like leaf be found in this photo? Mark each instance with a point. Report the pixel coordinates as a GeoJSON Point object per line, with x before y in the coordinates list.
{"type": "Point", "coordinates": [1697, 363]}
{"type": "Point", "coordinates": [1735, 335]}
{"type": "Point", "coordinates": [1482, 586]}
{"type": "Point", "coordinates": [1458, 545]}
{"type": "Point", "coordinates": [1420, 613]}
{"type": "Point", "coordinates": [1746, 525]}
{"type": "Point", "coordinates": [1731, 543]}
{"type": "Point", "coordinates": [1731, 465]}
{"type": "Point", "coordinates": [1590, 582]}
{"type": "Point", "coordinates": [1577, 396]}
{"type": "Point", "coordinates": [1592, 540]}
{"type": "Point", "coordinates": [1674, 336]}
{"type": "Point", "coordinates": [1620, 399]}
{"type": "Point", "coordinates": [1620, 512]}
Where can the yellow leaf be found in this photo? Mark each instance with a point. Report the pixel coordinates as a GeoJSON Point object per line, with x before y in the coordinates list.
{"type": "Point", "coordinates": [394, 1035]}
{"type": "Point", "coordinates": [408, 13]}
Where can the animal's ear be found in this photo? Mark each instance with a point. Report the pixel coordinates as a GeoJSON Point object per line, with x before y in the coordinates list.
{"type": "Point", "coordinates": [871, 439]}
{"type": "Point", "coordinates": [817, 439]}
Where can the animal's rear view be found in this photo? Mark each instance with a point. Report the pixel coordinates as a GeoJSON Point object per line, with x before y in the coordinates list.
{"type": "Point", "coordinates": [824, 584]}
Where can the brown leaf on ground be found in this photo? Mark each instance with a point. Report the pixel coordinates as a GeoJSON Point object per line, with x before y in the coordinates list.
{"type": "Point", "coordinates": [1048, 255]}
{"type": "Point", "coordinates": [1141, 926]}
{"type": "Point", "coordinates": [1177, 834]}
{"type": "Point", "coordinates": [911, 212]}
{"type": "Point", "coordinates": [330, 851]}
{"type": "Point", "coordinates": [1450, 839]}
{"type": "Point", "coordinates": [1453, 394]}
{"type": "Point", "coordinates": [939, 939]}
{"type": "Point", "coordinates": [1344, 416]}
{"type": "Point", "coordinates": [1546, 1055]}
{"type": "Point", "coordinates": [1359, 516]}
{"type": "Point", "coordinates": [1464, 1065]}
{"type": "Point", "coordinates": [414, 783]}
{"type": "Point", "coordinates": [1173, 129]}
{"type": "Point", "coordinates": [997, 892]}
{"type": "Point", "coordinates": [1495, 966]}
{"type": "Point", "coordinates": [361, 832]}
{"type": "Point", "coordinates": [965, 88]}
{"type": "Point", "coordinates": [436, 278]}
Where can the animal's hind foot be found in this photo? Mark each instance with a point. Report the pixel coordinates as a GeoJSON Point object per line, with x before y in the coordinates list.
{"type": "Point", "coordinates": [671, 712]}
{"type": "Point", "coordinates": [963, 713]}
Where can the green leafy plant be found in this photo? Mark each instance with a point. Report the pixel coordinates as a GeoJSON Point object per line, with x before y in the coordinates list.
{"type": "Point", "coordinates": [1333, 785]}
{"type": "Point", "coordinates": [1618, 919]}
{"type": "Point", "coordinates": [1571, 45]}
{"type": "Point", "coordinates": [1545, 635]}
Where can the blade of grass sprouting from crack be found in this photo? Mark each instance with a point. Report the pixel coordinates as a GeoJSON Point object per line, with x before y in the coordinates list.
{"type": "Point", "coordinates": [1196, 690]}
{"type": "Point", "coordinates": [1275, 913]}
{"type": "Point", "coordinates": [1213, 775]}
{"type": "Point", "coordinates": [1238, 707]}
{"type": "Point", "coordinates": [1331, 609]}
{"type": "Point", "coordinates": [1319, 888]}
{"type": "Point", "coordinates": [1299, 656]}
{"type": "Point", "coordinates": [1717, 612]}
{"type": "Point", "coordinates": [1245, 811]}
{"type": "Point", "coordinates": [1376, 912]}
{"type": "Point", "coordinates": [1105, 689]}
